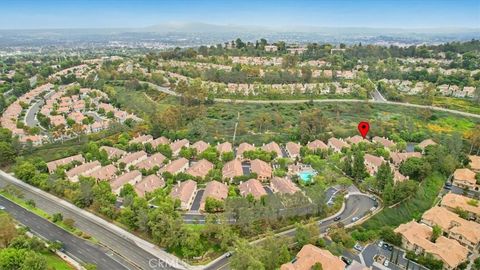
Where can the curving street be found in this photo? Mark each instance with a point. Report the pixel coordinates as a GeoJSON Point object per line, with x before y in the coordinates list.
{"type": "Point", "coordinates": [356, 205]}
{"type": "Point", "coordinates": [126, 248]}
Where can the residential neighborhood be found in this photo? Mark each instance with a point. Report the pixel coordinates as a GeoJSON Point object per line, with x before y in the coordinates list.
{"type": "Point", "coordinates": [240, 135]}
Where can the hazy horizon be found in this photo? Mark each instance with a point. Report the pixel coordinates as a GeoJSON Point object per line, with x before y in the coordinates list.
{"type": "Point", "coordinates": [268, 14]}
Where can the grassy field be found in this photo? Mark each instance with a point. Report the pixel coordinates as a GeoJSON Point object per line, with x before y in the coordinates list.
{"type": "Point", "coordinates": [217, 121]}
{"type": "Point", "coordinates": [56, 263]}
{"type": "Point", "coordinates": [262, 123]}
{"type": "Point", "coordinates": [410, 209]}
{"type": "Point", "coordinates": [460, 104]}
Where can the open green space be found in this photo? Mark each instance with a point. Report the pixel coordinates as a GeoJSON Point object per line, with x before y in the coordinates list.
{"type": "Point", "coordinates": [412, 208]}
{"type": "Point", "coordinates": [459, 104]}
{"type": "Point", "coordinates": [56, 263]}
{"type": "Point", "coordinates": [262, 123]}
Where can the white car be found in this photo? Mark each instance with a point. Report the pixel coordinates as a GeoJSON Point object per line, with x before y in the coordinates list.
{"type": "Point", "coordinates": [358, 247]}
{"type": "Point", "coordinates": [385, 263]}
{"type": "Point", "coordinates": [354, 219]}
{"type": "Point", "coordinates": [2, 207]}
{"type": "Point", "coordinates": [380, 244]}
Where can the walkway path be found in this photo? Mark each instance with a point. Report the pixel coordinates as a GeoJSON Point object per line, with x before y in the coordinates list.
{"type": "Point", "coordinates": [379, 100]}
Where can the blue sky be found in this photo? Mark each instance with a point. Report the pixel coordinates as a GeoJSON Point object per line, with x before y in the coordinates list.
{"type": "Point", "coordinates": [35, 14]}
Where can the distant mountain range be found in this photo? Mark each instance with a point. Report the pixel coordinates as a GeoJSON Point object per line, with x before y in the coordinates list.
{"type": "Point", "coordinates": [194, 27]}
{"type": "Point", "coordinates": [197, 33]}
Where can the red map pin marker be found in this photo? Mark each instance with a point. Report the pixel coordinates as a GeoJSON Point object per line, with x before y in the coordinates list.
{"type": "Point", "coordinates": [363, 127]}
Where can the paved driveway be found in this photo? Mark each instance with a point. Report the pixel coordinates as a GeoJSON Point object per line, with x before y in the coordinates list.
{"type": "Point", "coordinates": [196, 201]}
{"type": "Point", "coordinates": [396, 257]}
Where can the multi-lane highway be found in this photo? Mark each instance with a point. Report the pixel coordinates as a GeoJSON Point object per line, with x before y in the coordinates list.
{"type": "Point", "coordinates": [77, 248]}
{"type": "Point", "coordinates": [123, 249]}
{"type": "Point", "coordinates": [118, 241]}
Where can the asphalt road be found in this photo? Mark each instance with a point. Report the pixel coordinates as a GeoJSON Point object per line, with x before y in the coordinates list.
{"type": "Point", "coordinates": [377, 96]}
{"type": "Point", "coordinates": [137, 257]}
{"type": "Point", "coordinates": [355, 206]}
{"type": "Point", "coordinates": [30, 119]}
{"type": "Point", "coordinates": [294, 101]}
{"type": "Point", "coordinates": [397, 259]}
{"type": "Point", "coordinates": [95, 116]}
{"type": "Point", "coordinates": [75, 247]}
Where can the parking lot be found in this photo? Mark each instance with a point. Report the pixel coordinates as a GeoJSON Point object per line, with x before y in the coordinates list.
{"type": "Point", "coordinates": [394, 255]}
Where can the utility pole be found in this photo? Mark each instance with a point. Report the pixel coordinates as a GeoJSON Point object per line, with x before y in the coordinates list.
{"type": "Point", "coordinates": [235, 129]}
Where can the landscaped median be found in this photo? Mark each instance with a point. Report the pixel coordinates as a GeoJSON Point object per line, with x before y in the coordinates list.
{"type": "Point", "coordinates": [67, 224]}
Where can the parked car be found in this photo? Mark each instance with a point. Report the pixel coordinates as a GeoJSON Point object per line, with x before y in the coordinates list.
{"type": "Point", "coordinates": [355, 219]}
{"type": "Point", "coordinates": [346, 260]}
{"type": "Point", "coordinates": [380, 244]}
{"type": "Point", "coordinates": [448, 185]}
{"type": "Point", "coordinates": [385, 246]}
{"type": "Point", "coordinates": [2, 207]}
{"type": "Point", "coordinates": [228, 255]}
{"type": "Point", "coordinates": [358, 247]}
{"type": "Point", "coordinates": [385, 263]}
{"type": "Point", "coordinates": [337, 218]}
{"type": "Point", "coordinates": [390, 247]}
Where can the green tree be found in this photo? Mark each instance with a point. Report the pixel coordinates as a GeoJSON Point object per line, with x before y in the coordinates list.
{"type": "Point", "coordinates": [57, 217]}
{"type": "Point", "coordinates": [436, 232]}
{"type": "Point", "coordinates": [165, 150]}
{"type": "Point", "coordinates": [210, 154]}
{"type": "Point", "coordinates": [388, 194]}
{"type": "Point", "coordinates": [347, 165]}
{"type": "Point", "coordinates": [7, 230]}
{"type": "Point", "coordinates": [416, 168]}
{"type": "Point", "coordinates": [359, 171]}
{"type": "Point", "coordinates": [384, 176]}
{"type": "Point", "coordinates": [25, 171]}
{"type": "Point", "coordinates": [246, 257]}
{"type": "Point", "coordinates": [127, 190]}
{"type": "Point", "coordinates": [213, 205]}
{"type": "Point", "coordinates": [69, 222]}
{"type": "Point", "coordinates": [188, 153]}
{"type": "Point", "coordinates": [7, 153]}
{"type": "Point", "coordinates": [12, 259]}
{"type": "Point", "coordinates": [34, 261]}
{"type": "Point", "coordinates": [302, 235]}
{"type": "Point", "coordinates": [311, 124]}
{"type": "Point", "coordinates": [388, 235]}
{"type": "Point", "coordinates": [227, 156]}
{"type": "Point", "coordinates": [128, 217]}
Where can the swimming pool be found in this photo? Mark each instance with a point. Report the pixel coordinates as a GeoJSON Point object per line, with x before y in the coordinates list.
{"type": "Point", "coordinates": [306, 176]}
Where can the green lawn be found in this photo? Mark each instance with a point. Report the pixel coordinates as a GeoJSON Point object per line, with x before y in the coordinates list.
{"type": "Point", "coordinates": [56, 263]}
